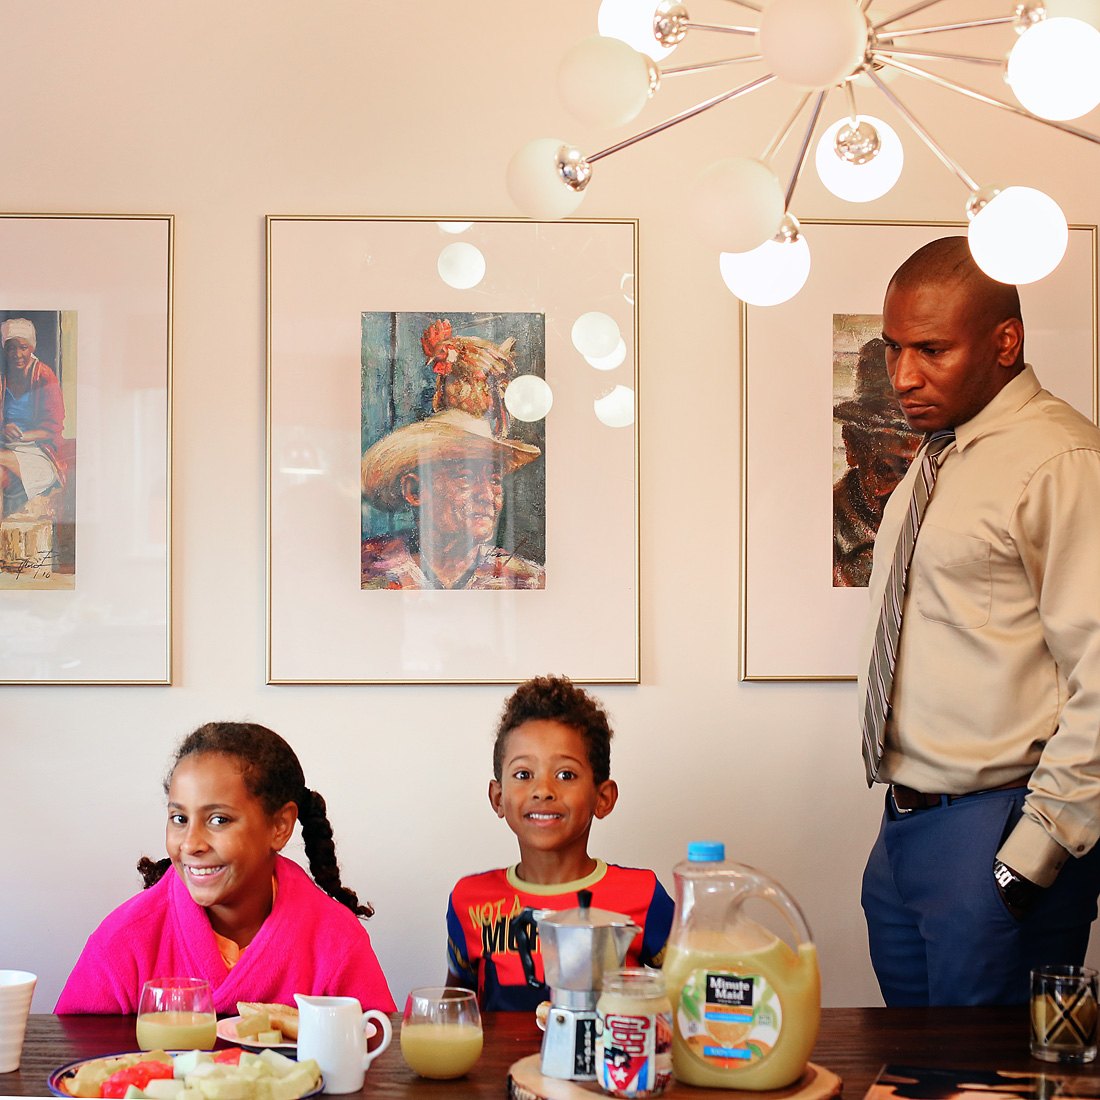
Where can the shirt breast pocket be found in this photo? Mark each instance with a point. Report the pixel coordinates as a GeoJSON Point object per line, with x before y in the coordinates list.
{"type": "Point", "coordinates": [952, 578]}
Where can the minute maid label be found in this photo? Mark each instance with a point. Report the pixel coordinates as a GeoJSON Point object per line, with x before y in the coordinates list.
{"type": "Point", "coordinates": [731, 1021]}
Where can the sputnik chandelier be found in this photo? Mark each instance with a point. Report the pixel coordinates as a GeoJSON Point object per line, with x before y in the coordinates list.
{"type": "Point", "coordinates": [1017, 234]}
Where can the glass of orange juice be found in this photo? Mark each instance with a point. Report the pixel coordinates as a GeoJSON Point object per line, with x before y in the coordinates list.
{"type": "Point", "coordinates": [176, 1014]}
{"type": "Point", "coordinates": [441, 1032]}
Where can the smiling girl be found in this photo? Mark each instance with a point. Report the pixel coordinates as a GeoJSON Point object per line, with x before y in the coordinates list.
{"type": "Point", "coordinates": [233, 910]}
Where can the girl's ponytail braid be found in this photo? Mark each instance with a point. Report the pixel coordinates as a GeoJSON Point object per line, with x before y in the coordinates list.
{"type": "Point", "coordinates": [321, 852]}
{"type": "Point", "coordinates": [152, 872]}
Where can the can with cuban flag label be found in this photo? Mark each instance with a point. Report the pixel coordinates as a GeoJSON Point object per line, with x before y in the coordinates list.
{"type": "Point", "coordinates": [633, 1034]}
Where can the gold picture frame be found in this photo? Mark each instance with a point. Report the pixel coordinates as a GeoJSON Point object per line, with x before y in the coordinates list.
{"type": "Point", "coordinates": [334, 283]}
{"type": "Point", "coordinates": [85, 559]}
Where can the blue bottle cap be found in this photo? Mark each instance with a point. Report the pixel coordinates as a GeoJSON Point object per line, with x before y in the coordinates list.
{"type": "Point", "coordinates": [706, 851]}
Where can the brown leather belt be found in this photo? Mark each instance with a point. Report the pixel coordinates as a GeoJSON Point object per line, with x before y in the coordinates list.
{"type": "Point", "coordinates": [906, 800]}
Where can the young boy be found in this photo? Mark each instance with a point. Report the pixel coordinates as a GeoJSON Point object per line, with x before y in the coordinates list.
{"type": "Point", "coordinates": [551, 777]}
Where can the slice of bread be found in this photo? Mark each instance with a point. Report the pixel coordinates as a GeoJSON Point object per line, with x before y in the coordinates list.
{"type": "Point", "coordinates": [251, 1024]}
{"type": "Point", "coordinates": [283, 1017]}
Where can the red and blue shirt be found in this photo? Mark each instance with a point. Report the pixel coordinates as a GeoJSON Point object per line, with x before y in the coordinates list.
{"type": "Point", "coordinates": [482, 923]}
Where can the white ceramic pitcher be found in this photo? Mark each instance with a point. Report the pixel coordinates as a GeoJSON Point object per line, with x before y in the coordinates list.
{"type": "Point", "coordinates": [334, 1032]}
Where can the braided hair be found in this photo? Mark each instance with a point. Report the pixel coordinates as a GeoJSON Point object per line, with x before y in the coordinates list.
{"type": "Point", "coordinates": [271, 773]}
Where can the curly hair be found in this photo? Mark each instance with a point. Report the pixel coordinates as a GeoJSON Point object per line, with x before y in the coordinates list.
{"type": "Point", "coordinates": [558, 699]}
{"type": "Point", "coordinates": [273, 775]}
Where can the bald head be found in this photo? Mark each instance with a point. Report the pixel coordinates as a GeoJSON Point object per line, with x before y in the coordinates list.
{"type": "Point", "coordinates": [949, 263]}
{"type": "Point", "coordinates": [954, 337]}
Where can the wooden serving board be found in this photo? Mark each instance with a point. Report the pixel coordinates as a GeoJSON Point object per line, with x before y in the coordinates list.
{"type": "Point", "coordinates": [525, 1082]}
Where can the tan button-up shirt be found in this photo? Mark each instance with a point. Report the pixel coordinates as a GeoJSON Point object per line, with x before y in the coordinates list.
{"type": "Point", "coordinates": [998, 669]}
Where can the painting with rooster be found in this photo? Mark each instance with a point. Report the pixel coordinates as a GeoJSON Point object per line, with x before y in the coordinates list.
{"type": "Point", "coordinates": [453, 485]}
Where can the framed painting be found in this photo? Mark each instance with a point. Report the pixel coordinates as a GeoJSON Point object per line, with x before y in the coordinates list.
{"type": "Point", "coordinates": [823, 442]}
{"type": "Point", "coordinates": [452, 450]}
{"type": "Point", "coordinates": [86, 334]}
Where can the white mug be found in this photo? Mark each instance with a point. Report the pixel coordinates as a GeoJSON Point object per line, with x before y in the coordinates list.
{"type": "Point", "coordinates": [333, 1031]}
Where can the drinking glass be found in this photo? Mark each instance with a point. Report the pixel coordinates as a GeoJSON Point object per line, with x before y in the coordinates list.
{"type": "Point", "coordinates": [441, 1032]}
{"type": "Point", "coordinates": [1063, 1013]}
{"type": "Point", "coordinates": [16, 990]}
{"type": "Point", "coordinates": [176, 1014]}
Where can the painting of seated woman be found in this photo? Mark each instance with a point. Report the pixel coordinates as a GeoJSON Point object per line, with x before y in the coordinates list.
{"type": "Point", "coordinates": [38, 449]}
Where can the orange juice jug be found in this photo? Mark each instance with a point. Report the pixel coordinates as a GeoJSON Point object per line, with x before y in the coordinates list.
{"type": "Point", "coordinates": [742, 976]}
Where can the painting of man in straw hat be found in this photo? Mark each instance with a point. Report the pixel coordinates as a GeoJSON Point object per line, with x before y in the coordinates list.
{"type": "Point", "coordinates": [876, 445]}
{"type": "Point", "coordinates": [453, 488]}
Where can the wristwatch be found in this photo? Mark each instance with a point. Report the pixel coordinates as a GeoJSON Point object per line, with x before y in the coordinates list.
{"type": "Point", "coordinates": [1019, 893]}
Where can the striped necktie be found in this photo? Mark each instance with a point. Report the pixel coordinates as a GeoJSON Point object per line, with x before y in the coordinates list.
{"type": "Point", "coordinates": [880, 675]}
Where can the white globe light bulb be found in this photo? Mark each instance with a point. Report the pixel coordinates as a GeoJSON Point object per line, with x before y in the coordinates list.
{"type": "Point", "coordinates": [609, 362]}
{"type": "Point", "coordinates": [1018, 236]}
{"type": "Point", "coordinates": [604, 81]}
{"type": "Point", "coordinates": [595, 334]}
{"type": "Point", "coordinates": [736, 204]}
{"type": "Point", "coordinates": [773, 273]}
{"type": "Point", "coordinates": [1054, 68]}
{"type": "Point", "coordinates": [616, 408]}
{"type": "Point", "coordinates": [631, 21]}
{"type": "Point", "coordinates": [812, 43]}
{"type": "Point", "coordinates": [454, 227]}
{"type": "Point", "coordinates": [535, 181]}
{"type": "Point", "coordinates": [528, 397]}
{"type": "Point", "coordinates": [860, 182]}
{"type": "Point", "coordinates": [461, 265]}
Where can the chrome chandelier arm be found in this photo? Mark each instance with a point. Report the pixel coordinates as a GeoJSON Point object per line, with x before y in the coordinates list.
{"type": "Point", "coordinates": [800, 163]}
{"type": "Point", "coordinates": [981, 97]}
{"type": "Point", "coordinates": [684, 70]}
{"type": "Point", "coordinates": [781, 136]}
{"type": "Point", "coordinates": [969, 24]}
{"type": "Point", "coordinates": [933, 55]}
{"type": "Point", "coordinates": [691, 112]}
{"type": "Point", "coordinates": [948, 161]}
{"type": "Point", "coordinates": [721, 28]}
{"type": "Point", "coordinates": [911, 10]}
{"type": "Point", "coordinates": [850, 95]}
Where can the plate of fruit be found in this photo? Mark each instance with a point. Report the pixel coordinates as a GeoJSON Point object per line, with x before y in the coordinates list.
{"type": "Point", "coordinates": [232, 1074]}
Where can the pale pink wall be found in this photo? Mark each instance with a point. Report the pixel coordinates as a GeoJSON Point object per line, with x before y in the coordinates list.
{"type": "Point", "coordinates": [222, 112]}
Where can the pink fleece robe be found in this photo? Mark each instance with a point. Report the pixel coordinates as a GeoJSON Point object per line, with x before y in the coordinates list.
{"type": "Point", "coordinates": [308, 944]}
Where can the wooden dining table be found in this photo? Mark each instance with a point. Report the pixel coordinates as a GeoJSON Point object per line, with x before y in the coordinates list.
{"type": "Point", "coordinates": [854, 1043]}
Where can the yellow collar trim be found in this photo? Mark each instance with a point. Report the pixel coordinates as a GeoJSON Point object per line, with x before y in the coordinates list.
{"type": "Point", "coordinates": [550, 888]}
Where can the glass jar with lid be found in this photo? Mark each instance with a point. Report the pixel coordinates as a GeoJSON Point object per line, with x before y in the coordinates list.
{"type": "Point", "coordinates": [633, 1033]}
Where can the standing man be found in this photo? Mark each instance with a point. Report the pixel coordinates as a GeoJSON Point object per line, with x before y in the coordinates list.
{"type": "Point", "coordinates": [986, 726]}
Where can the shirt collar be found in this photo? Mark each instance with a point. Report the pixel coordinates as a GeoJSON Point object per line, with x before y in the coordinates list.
{"type": "Point", "coordinates": [555, 888]}
{"type": "Point", "coordinates": [1004, 405]}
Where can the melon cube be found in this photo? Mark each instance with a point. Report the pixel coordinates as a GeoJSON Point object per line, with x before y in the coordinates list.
{"type": "Point", "coordinates": [187, 1062]}
{"type": "Point", "coordinates": [167, 1088]}
{"type": "Point", "coordinates": [279, 1064]}
{"type": "Point", "coordinates": [223, 1087]}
